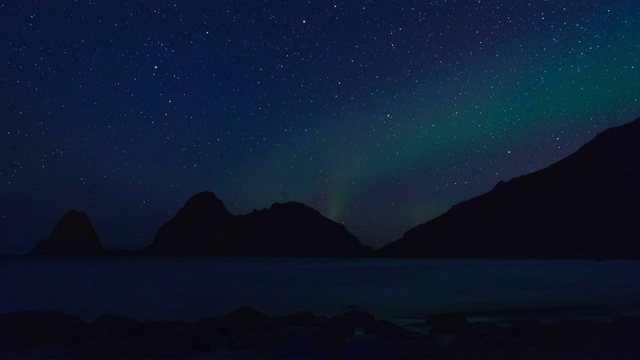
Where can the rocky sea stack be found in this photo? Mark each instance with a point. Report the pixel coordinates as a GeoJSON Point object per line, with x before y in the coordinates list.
{"type": "Point", "coordinates": [72, 235]}
{"type": "Point", "coordinates": [584, 206]}
{"type": "Point", "coordinates": [203, 226]}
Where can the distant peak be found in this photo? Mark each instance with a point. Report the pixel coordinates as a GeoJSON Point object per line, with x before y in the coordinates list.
{"type": "Point", "coordinates": [203, 196]}
{"type": "Point", "coordinates": [205, 202]}
{"type": "Point", "coordinates": [293, 207]}
{"type": "Point", "coordinates": [76, 214]}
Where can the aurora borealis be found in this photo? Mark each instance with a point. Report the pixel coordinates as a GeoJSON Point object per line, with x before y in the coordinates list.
{"type": "Point", "coordinates": [380, 114]}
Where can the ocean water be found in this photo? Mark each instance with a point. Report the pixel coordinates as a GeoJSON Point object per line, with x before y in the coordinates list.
{"type": "Point", "coordinates": [402, 290]}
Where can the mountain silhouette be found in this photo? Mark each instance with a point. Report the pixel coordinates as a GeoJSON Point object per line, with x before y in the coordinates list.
{"type": "Point", "coordinates": [586, 205]}
{"type": "Point", "coordinates": [199, 226]}
{"type": "Point", "coordinates": [72, 235]}
{"type": "Point", "coordinates": [203, 226]}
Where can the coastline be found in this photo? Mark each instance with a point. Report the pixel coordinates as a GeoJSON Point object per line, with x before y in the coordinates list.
{"type": "Point", "coordinates": [249, 333]}
{"type": "Point", "coordinates": [189, 289]}
{"type": "Point", "coordinates": [322, 308]}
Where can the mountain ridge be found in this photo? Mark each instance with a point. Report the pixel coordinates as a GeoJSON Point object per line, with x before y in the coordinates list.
{"type": "Point", "coordinates": [586, 205]}
{"type": "Point", "coordinates": [204, 227]}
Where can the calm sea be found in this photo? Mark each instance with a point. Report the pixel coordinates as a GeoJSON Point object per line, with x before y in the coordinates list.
{"type": "Point", "coordinates": [396, 289]}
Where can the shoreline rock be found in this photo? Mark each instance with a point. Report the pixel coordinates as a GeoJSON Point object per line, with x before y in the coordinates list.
{"type": "Point", "coordinates": [247, 332]}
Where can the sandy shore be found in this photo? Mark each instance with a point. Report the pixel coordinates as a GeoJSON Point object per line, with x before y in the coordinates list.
{"type": "Point", "coordinates": [248, 333]}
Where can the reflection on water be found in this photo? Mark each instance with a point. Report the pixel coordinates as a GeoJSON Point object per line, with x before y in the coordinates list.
{"type": "Point", "coordinates": [400, 289]}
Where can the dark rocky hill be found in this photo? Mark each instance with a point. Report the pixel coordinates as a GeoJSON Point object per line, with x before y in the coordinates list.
{"type": "Point", "coordinates": [202, 226]}
{"type": "Point", "coordinates": [72, 235]}
{"type": "Point", "coordinates": [584, 206]}
{"type": "Point", "coordinates": [205, 227]}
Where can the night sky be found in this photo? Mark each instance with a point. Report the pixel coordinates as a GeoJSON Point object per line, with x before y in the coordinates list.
{"type": "Point", "coordinates": [379, 114]}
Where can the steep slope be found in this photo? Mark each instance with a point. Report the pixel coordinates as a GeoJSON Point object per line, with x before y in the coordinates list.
{"type": "Point", "coordinates": [584, 206]}
{"type": "Point", "coordinates": [204, 227]}
{"type": "Point", "coordinates": [72, 235]}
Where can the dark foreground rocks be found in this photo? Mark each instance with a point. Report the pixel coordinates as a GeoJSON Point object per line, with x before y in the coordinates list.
{"type": "Point", "coordinates": [248, 333]}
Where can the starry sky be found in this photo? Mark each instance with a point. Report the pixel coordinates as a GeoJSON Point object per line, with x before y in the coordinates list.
{"type": "Point", "coordinates": [379, 114]}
